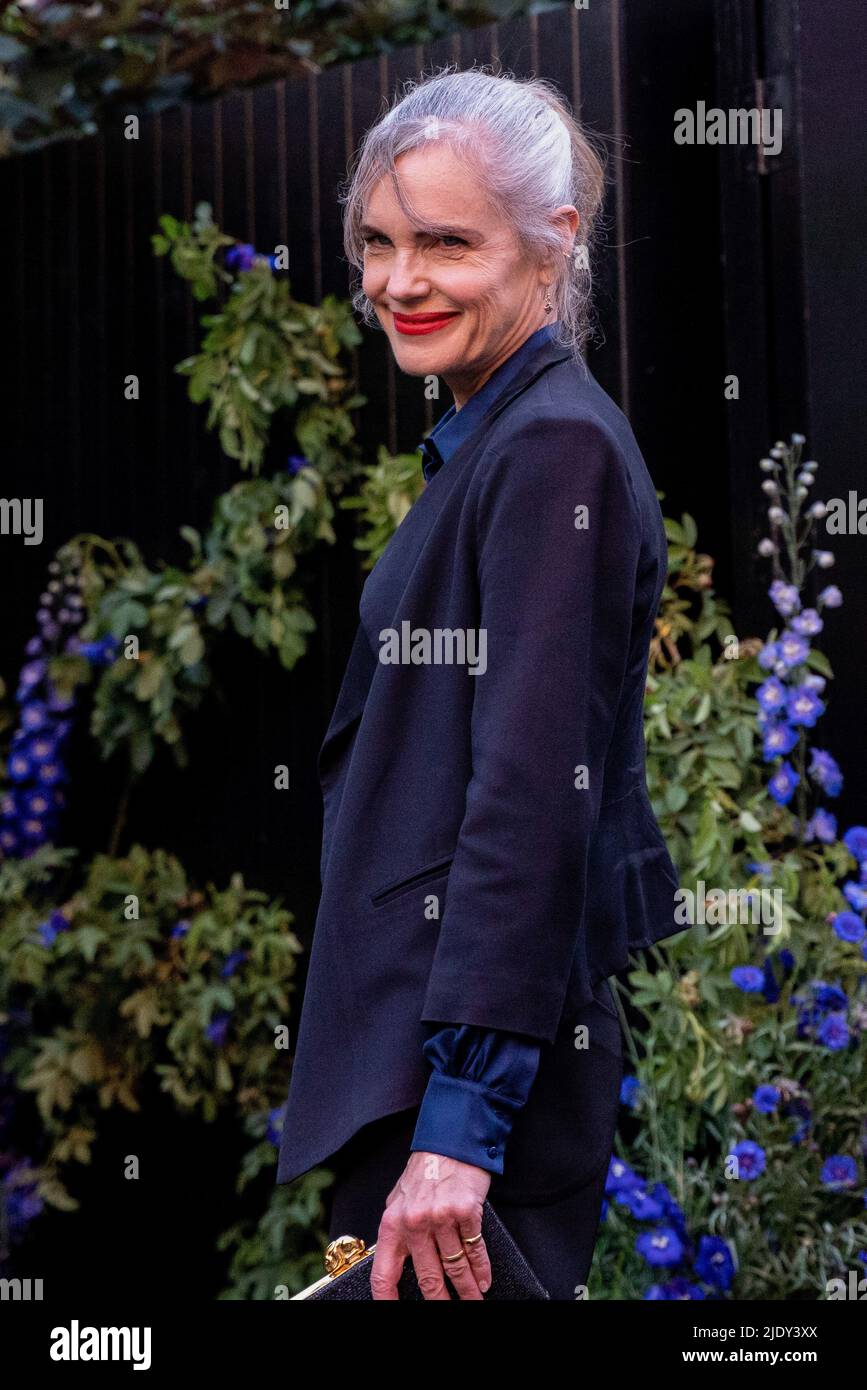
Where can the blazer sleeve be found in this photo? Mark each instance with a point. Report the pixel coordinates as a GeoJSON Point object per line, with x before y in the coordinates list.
{"type": "Point", "coordinates": [558, 546]}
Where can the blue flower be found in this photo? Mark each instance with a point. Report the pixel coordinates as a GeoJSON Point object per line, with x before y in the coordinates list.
{"type": "Point", "coordinates": [34, 716]}
{"type": "Point", "coordinates": [784, 597]}
{"type": "Point", "coordinates": [771, 695]}
{"type": "Point", "coordinates": [748, 978]}
{"type": "Point", "coordinates": [101, 652]}
{"type": "Point", "coordinates": [620, 1177]}
{"type": "Point", "coordinates": [814, 682]}
{"type": "Point", "coordinates": [768, 656]}
{"type": "Point", "coordinates": [793, 648]}
{"type": "Point", "coordinates": [22, 1201]}
{"type": "Point", "coordinates": [19, 767]}
{"type": "Point", "coordinates": [856, 895]}
{"type": "Point", "coordinates": [855, 841]}
{"type": "Point", "coordinates": [50, 773]}
{"type": "Point", "coordinates": [770, 988]}
{"type": "Point", "coordinates": [764, 868]}
{"type": "Point", "coordinates": [808, 623]}
{"type": "Point", "coordinates": [829, 997]}
{"type": "Point", "coordinates": [714, 1263]}
{"type": "Point", "coordinates": [779, 738]}
{"type": "Point", "coordinates": [50, 929]}
{"type": "Point", "coordinates": [783, 783]}
{"type": "Point", "coordinates": [661, 1246]}
{"type": "Point", "coordinates": [804, 706]}
{"type": "Point", "coordinates": [834, 1032]}
{"type": "Point", "coordinates": [673, 1213]}
{"type": "Point", "coordinates": [217, 1029]}
{"type": "Point", "coordinates": [630, 1088]}
{"type": "Point", "coordinates": [825, 772]}
{"type": "Point", "coordinates": [295, 463]}
{"type": "Point", "coordinates": [849, 927]}
{"type": "Point", "coordinates": [822, 826]}
{"type": "Point", "coordinates": [766, 1099]}
{"type": "Point", "coordinates": [642, 1205]}
{"type": "Point", "coordinates": [275, 1124]}
{"type": "Point", "coordinates": [751, 1160]}
{"type": "Point", "coordinates": [799, 1110]}
{"type": "Point", "coordinates": [830, 597]}
{"type": "Point", "coordinates": [179, 930]}
{"type": "Point", "coordinates": [29, 676]}
{"type": "Point", "coordinates": [241, 256]}
{"type": "Point", "coordinates": [232, 963]}
{"type": "Point", "coordinates": [682, 1290]}
{"type": "Point", "coordinates": [839, 1172]}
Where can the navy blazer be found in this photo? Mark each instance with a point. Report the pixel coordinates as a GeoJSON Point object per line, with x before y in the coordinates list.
{"type": "Point", "coordinates": [489, 850]}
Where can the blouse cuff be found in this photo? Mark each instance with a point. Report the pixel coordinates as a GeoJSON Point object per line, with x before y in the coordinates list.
{"type": "Point", "coordinates": [461, 1119]}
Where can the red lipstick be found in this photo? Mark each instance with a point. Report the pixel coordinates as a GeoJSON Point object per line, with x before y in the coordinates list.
{"type": "Point", "coordinates": [416, 324]}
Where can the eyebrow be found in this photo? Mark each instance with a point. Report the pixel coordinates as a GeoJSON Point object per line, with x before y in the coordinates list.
{"type": "Point", "coordinates": [439, 230]}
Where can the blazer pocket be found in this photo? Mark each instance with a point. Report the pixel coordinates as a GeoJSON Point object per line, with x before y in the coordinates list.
{"type": "Point", "coordinates": [414, 880]}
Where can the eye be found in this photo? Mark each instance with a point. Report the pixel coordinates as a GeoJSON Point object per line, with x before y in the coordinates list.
{"type": "Point", "coordinates": [454, 240]}
{"type": "Point", "coordinates": [374, 236]}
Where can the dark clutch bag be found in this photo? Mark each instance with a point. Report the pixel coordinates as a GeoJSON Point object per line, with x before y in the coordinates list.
{"type": "Point", "coordinates": [348, 1263]}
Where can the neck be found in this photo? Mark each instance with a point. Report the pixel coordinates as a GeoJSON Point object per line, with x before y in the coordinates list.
{"type": "Point", "coordinates": [463, 386]}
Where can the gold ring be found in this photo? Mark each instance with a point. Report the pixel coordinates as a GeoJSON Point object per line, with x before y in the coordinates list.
{"type": "Point", "coordinates": [471, 1240]}
{"type": "Point", "coordinates": [449, 1259]}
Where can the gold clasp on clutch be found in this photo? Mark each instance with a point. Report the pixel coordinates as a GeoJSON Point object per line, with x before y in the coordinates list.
{"type": "Point", "coordinates": [340, 1255]}
{"type": "Point", "coordinates": [343, 1252]}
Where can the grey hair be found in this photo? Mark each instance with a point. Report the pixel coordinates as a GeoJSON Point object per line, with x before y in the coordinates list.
{"type": "Point", "coordinates": [521, 140]}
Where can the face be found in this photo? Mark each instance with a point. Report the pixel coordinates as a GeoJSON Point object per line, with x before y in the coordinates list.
{"type": "Point", "coordinates": [457, 303]}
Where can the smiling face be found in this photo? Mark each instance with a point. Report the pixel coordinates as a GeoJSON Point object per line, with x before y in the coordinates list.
{"type": "Point", "coordinates": [459, 296]}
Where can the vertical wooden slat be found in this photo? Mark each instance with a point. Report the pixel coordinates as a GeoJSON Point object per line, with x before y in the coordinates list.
{"type": "Point", "coordinates": [315, 177]}
{"type": "Point", "coordinates": [620, 205]}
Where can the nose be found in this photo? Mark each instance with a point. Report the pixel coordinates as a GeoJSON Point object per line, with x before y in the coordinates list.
{"type": "Point", "coordinates": [407, 280]}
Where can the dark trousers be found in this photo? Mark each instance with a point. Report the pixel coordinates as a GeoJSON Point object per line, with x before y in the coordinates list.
{"type": "Point", "coordinates": [556, 1232]}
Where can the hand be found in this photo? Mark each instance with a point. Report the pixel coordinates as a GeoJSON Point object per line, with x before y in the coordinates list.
{"type": "Point", "coordinates": [435, 1203]}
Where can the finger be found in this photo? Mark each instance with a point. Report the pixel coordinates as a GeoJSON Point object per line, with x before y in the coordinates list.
{"type": "Point", "coordinates": [477, 1253]}
{"type": "Point", "coordinates": [428, 1267]}
{"type": "Point", "coordinates": [388, 1262]}
{"type": "Point", "coordinates": [460, 1272]}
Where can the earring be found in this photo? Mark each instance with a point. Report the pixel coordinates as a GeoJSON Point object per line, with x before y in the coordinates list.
{"type": "Point", "coordinates": [548, 305]}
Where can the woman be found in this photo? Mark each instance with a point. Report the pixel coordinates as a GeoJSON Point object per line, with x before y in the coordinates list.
{"type": "Point", "coordinates": [489, 853]}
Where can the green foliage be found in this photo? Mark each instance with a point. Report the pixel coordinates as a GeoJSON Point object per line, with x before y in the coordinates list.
{"type": "Point", "coordinates": [127, 1000]}
{"type": "Point", "coordinates": [275, 1256]}
{"type": "Point", "coordinates": [241, 577]}
{"type": "Point", "coordinates": [388, 491]}
{"type": "Point", "coordinates": [70, 68]}
{"type": "Point", "coordinates": [263, 352]}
